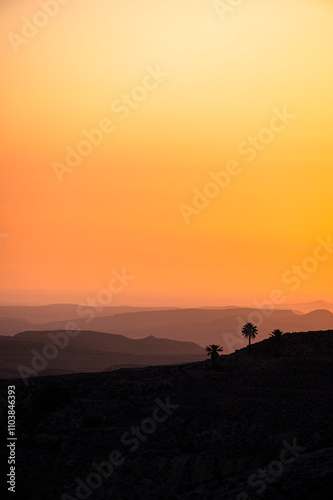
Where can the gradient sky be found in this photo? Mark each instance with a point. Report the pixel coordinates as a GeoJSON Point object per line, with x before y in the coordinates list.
{"type": "Point", "coordinates": [120, 207]}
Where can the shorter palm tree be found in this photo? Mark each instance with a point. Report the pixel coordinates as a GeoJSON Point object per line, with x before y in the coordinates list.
{"type": "Point", "coordinates": [277, 335]}
{"type": "Point", "coordinates": [250, 331]}
{"type": "Point", "coordinates": [213, 351]}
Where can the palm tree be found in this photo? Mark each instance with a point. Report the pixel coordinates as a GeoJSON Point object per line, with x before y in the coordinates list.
{"type": "Point", "coordinates": [250, 331]}
{"type": "Point", "coordinates": [213, 351]}
{"type": "Point", "coordinates": [277, 335]}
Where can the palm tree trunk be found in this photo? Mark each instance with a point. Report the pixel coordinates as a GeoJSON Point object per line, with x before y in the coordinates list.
{"type": "Point", "coordinates": [249, 346]}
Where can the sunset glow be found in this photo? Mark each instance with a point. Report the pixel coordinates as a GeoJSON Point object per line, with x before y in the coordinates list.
{"type": "Point", "coordinates": [176, 93]}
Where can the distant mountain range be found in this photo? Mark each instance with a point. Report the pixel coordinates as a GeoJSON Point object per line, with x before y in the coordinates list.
{"type": "Point", "coordinates": [306, 307]}
{"type": "Point", "coordinates": [13, 317]}
{"type": "Point", "coordinates": [88, 352]}
{"type": "Point", "coordinates": [201, 326]}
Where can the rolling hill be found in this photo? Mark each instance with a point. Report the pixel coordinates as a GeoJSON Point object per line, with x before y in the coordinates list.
{"type": "Point", "coordinates": [88, 352]}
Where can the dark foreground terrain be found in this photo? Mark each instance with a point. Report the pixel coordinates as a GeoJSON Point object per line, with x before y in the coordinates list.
{"type": "Point", "coordinates": [256, 427]}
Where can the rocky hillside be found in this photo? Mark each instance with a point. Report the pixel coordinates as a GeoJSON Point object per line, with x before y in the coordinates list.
{"type": "Point", "coordinates": [303, 344]}
{"type": "Point", "coordinates": [259, 425]}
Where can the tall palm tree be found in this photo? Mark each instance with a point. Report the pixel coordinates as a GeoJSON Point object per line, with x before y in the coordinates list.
{"type": "Point", "coordinates": [250, 331]}
{"type": "Point", "coordinates": [213, 351]}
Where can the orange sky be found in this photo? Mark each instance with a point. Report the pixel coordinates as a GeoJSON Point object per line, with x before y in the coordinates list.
{"type": "Point", "coordinates": [122, 206]}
